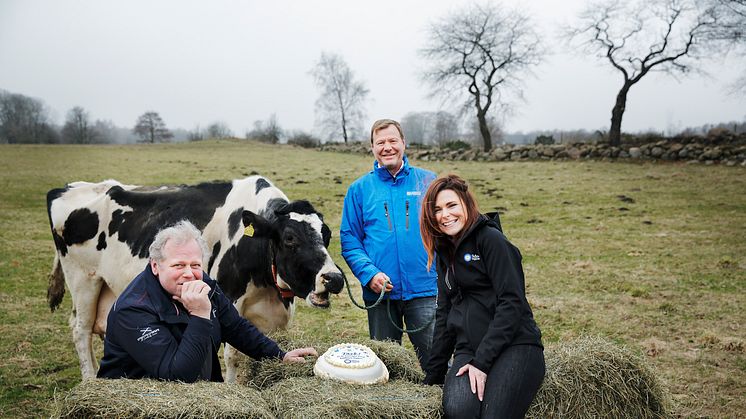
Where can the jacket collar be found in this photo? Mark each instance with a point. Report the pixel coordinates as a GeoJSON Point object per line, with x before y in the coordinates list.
{"type": "Point", "coordinates": [384, 174]}
{"type": "Point", "coordinates": [444, 248]}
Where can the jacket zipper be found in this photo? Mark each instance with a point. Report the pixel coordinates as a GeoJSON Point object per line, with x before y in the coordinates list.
{"type": "Point", "coordinates": [448, 283]}
{"type": "Point", "coordinates": [407, 215]}
{"type": "Point", "coordinates": [386, 211]}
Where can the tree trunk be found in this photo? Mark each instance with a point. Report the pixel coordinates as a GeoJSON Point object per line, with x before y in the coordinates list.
{"type": "Point", "coordinates": [344, 128]}
{"type": "Point", "coordinates": [615, 133]}
{"type": "Point", "coordinates": [485, 130]}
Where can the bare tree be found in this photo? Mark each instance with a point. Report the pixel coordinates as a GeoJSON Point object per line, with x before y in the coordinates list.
{"type": "Point", "coordinates": [78, 129]}
{"type": "Point", "coordinates": [107, 132]}
{"type": "Point", "coordinates": [473, 130]}
{"type": "Point", "coordinates": [416, 127]}
{"type": "Point", "coordinates": [446, 128]}
{"type": "Point", "coordinates": [430, 127]}
{"type": "Point", "coordinates": [340, 107]}
{"type": "Point", "coordinates": [151, 128]}
{"type": "Point", "coordinates": [268, 131]}
{"type": "Point", "coordinates": [197, 134]}
{"type": "Point", "coordinates": [730, 32]}
{"type": "Point", "coordinates": [481, 53]}
{"type": "Point", "coordinates": [24, 119]}
{"type": "Point", "coordinates": [219, 129]}
{"type": "Point", "coordinates": [636, 38]}
{"type": "Point", "coordinates": [731, 22]}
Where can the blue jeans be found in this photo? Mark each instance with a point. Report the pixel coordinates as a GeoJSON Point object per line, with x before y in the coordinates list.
{"type": "Point", "coordinates": [415, 313]}
{"type": "Point", "coordinates": [511, 385]}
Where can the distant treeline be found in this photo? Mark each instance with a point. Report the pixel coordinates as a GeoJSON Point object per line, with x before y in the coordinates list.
{"type": "Point", "coordinates": [27, 120]}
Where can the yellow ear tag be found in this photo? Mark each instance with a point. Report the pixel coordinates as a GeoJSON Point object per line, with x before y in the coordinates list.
{"type": "Point", "coordinates": [249, 230]}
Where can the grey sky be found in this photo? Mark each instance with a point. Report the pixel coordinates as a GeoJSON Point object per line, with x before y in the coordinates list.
{"type": "Point", "coordinates": [196, 62]}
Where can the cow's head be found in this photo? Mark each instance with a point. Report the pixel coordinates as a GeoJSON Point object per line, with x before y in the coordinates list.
{"type": "Point", "coordinates": [299, 241]}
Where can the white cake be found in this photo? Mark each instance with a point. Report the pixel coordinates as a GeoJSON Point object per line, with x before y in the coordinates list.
{"type": "Point", "coordinates": [351, 363]}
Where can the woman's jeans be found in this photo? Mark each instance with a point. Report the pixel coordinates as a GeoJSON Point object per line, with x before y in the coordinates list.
{"type": "Point", "coordinates": [511, 385]}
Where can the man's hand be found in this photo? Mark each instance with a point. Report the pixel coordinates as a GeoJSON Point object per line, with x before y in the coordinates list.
{"type": "Point", "coordinates": [376, 284]}
{"type": "Point", "coordinates": [297, 355]}
{"type": "Point", "coordinates": [195, 297]}
{"type": "Point", "coordinates": [477, 379]}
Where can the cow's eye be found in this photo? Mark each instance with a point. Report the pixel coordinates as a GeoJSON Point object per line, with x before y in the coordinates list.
{"type": "Point", "coordinates": [290, 241]}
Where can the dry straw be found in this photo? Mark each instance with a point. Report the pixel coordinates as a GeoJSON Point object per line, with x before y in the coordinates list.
{"type": "Point", "coordinates": [586, 378]}
{"type": "Point", "coordinates": [102, 398]}
{"type": "Point", "coordinates": [401, 362]}
{"type": "Point", "coordinates": [591, 377]}
{"type": "Point", "coordinates": [298, 398]}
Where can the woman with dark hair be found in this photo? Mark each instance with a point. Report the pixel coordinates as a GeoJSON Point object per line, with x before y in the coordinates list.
{"type": "Point", "coordinates": [483, 318]}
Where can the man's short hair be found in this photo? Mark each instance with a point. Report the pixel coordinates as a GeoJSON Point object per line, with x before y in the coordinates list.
{"type": "Point", "coordinates": [383, 123]}
{"type": "Point", "coordinates": [180, 233]}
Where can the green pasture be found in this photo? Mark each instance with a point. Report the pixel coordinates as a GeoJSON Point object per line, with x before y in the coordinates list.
{"type": "Point", "coordinates": [650, 255]}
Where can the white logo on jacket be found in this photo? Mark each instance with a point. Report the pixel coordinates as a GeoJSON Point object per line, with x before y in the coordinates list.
{"type": "Point", "coordinates": [147, 333]}
{"type": "Point", "coordinates": [468, 257]}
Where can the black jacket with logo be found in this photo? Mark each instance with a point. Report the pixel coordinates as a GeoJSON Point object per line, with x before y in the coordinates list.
{"type": "Point", "coordinates": [482, 306]}
{"type": "Point", "coordinates": [150, 335]}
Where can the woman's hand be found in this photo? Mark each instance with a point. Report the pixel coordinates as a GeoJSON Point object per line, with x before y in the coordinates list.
{"type": "Point", "coordinates": [476, 377]}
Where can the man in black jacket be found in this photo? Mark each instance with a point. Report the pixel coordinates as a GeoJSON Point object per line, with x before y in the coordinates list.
{"type": "Point", "coordinates": [170, 321]}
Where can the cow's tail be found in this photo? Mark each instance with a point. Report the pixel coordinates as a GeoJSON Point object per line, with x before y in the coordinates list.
{"type": "Point", "coordinates": [56, 288]}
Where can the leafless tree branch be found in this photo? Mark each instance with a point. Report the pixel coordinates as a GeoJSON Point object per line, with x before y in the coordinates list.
{"type": "Point", "coordinates": [478, 56]}
{"type": "Point", "coordinates": [664, 35]}
{"type": "Point", "coordinates": [340, 107]}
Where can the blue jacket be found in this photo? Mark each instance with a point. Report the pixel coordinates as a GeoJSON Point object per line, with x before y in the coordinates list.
{"type": "Point", "coordinates": [149, 335]}
{"type": "Point", "coordinates": [380, 231]}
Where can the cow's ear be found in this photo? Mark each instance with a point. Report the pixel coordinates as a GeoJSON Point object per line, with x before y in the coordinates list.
{"type": "Point", "coordinates": [257, 226]}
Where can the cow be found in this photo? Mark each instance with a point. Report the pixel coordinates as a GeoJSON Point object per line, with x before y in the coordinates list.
{"type": "Point", "coordinates": [264, 249]}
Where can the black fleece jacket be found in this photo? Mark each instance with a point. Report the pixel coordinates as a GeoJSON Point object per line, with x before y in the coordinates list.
{"type": "Point", "coordinates": [149, 335]}
{"type": "Point", "coordinates": [482, 306]}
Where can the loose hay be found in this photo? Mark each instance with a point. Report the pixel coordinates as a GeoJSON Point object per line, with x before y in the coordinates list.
{"type": "Point", "coordinates": [594, 378]}
{"type": "Point", "coordinates": [588, 377]}
{"type": "Point", "coordinates": [401, 362]}
{"type": "Point", "coordinates": [316, 398]}
{"type": "Point", "coordinates": [102, 398]}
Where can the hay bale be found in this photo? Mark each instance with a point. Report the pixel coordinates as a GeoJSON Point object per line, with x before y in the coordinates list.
{"type": "Point", "coordinates": [103, 398]}
{"type": "Point", "coordinates": [587, 377]}
{"type": "Point", "coordinates": [317, 398]}
{"type": "Point", "coordinates": [401, 362]}
{"type": "Point", "coordinates": [593, 378]}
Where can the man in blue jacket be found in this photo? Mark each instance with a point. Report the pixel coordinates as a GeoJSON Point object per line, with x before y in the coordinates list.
{"type": "Point", "coordinates": [381, 242]}
{"type": "Point", "coordinates": [169, 322]}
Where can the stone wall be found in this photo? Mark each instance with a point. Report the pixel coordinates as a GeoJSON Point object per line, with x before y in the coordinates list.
{"type": "Point", "coordinates": [729, 151]}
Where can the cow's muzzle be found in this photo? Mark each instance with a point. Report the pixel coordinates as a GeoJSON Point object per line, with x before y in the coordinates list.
{"type": "Point", "coordinates": [333, 282]}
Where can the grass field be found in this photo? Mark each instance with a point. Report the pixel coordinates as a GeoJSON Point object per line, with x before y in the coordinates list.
{"type": "Point", "coordinates": [652, 256]}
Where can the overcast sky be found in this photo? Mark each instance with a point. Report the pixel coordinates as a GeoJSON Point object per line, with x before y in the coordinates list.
{"type": "Point", "coordinates": [196, 62]}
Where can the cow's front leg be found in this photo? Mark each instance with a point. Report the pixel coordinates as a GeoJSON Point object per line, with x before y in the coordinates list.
{"type": "Point", "coordinates": [231, 363]}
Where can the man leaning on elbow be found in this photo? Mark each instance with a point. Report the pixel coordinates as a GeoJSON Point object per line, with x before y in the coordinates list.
{"type": "Point", "coordinates": [169, 322]}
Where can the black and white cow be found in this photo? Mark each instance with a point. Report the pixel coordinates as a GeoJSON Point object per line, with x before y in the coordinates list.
{"type": "Point", "coordinates": [264, 249]}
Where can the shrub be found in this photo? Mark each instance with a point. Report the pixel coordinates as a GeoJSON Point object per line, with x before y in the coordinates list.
{"type": "Point", "coordinates": [304, 140]}
{"type": "Point", "coordinates": [456, 145]}
{"type": "Point", "coordinates": [544, 140]}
